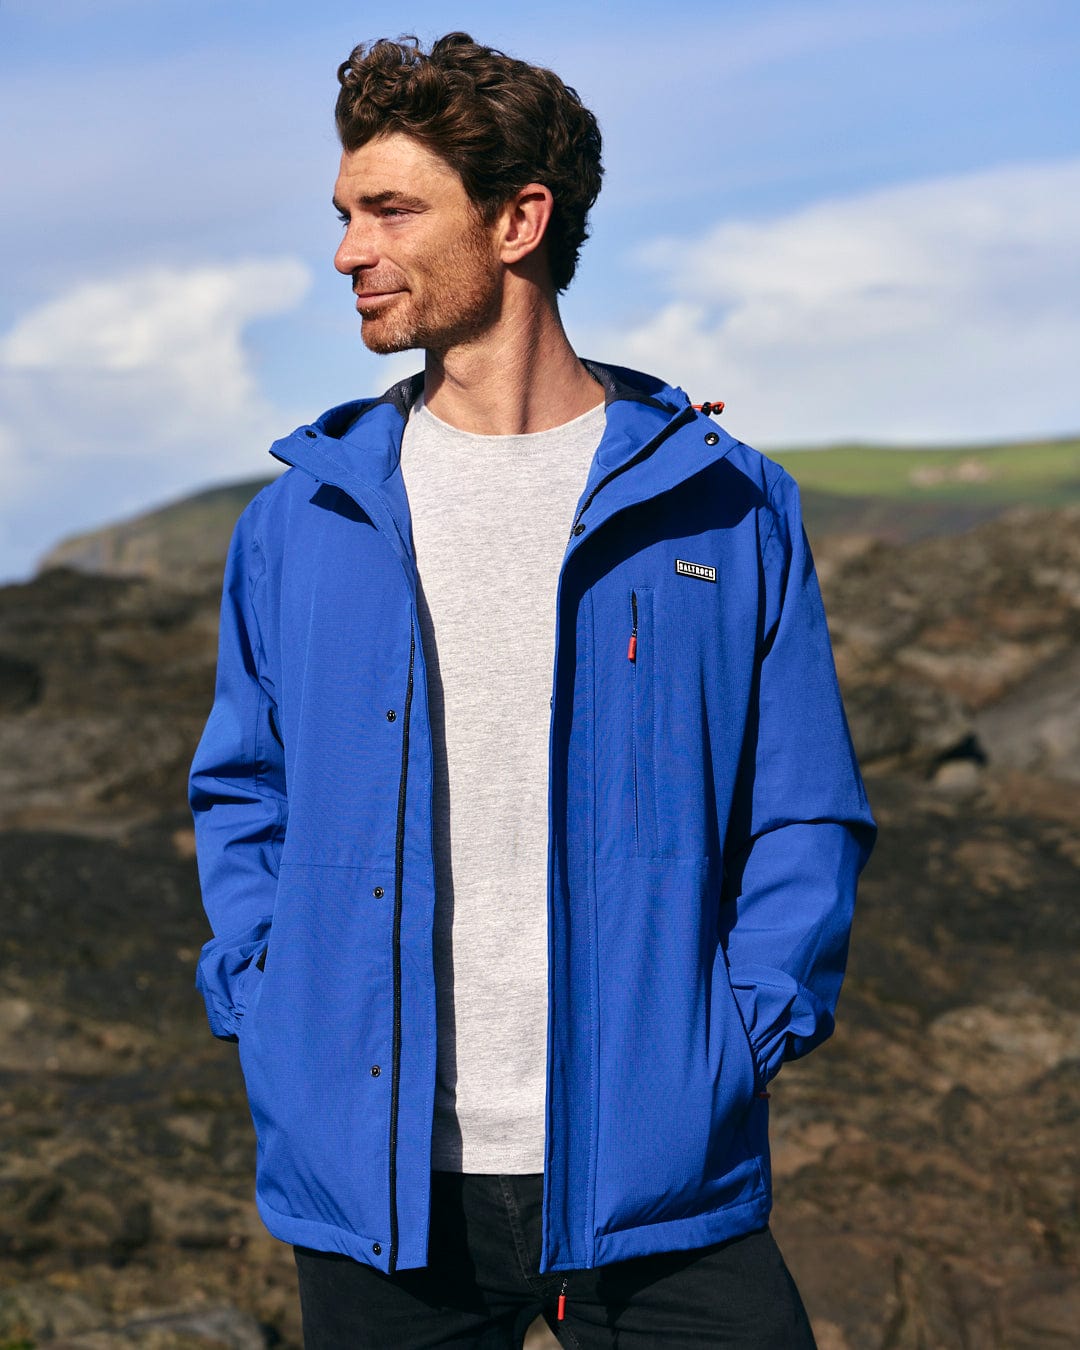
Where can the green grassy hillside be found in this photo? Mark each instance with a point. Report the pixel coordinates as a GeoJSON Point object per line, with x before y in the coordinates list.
{"type": "Point", "coordinates": [1042, 473]}
{"type": "Point", "coordinates": [901, 494]}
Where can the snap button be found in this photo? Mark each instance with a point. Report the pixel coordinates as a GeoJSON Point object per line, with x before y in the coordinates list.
{"type": "Point", "coordinates": [378, 892]}
{"type": "Point", "coordinates": [375, 1071]}
{"type": "Point", "coordinates": [391, 716]}
{"type": "Point", "coordinates": [711, 438]}
{"type": "Point", "coordinates": [376, 1247]}
{"type": "Point", "coordinates": [579, 529]}
{"type": "Point", "coordinates": [310, 433]}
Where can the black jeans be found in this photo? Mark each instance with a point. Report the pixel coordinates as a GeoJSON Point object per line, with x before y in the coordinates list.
{"type": "Point", "coordinates": [482, 1287]}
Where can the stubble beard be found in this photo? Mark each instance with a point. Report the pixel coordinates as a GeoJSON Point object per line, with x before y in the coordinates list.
{"type": "Point", "coordinates": [461, 299]}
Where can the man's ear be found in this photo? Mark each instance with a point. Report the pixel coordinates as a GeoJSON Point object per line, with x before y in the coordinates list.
{"type": "Point", "coordinates": [523, 223]}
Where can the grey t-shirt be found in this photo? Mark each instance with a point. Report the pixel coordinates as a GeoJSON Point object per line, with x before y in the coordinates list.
{"type": "Point", "coordinates": [491, 516]}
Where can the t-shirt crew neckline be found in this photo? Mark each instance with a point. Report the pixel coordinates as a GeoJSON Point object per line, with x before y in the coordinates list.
{"type": "Point", "coordinates": [519, 440]}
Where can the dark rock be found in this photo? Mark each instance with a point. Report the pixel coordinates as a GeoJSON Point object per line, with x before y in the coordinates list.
{"type": "Point", "coordinates": [964, 1116]}
{"type": "Point", "coordinates": [20, 684]}
{"type": "Point", "coordinates": [95, 662]}
{"type": "Point", "coordinates": [1036, 727]}
{"type": "Point", "coordinates": [26, 1202]}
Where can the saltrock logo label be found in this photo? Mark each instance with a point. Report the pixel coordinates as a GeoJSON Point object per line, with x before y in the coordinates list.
{"type": "Point", "coordinates": [693, 569]}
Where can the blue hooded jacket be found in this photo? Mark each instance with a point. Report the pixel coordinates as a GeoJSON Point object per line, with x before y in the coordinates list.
{"type": "Point", "coordinates": [707, 824]}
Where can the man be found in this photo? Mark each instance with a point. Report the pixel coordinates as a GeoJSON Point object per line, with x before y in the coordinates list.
{"type": "Point", "coordinates": [529, 861]}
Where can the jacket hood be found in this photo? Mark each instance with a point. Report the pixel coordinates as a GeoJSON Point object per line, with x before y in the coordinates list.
{"type": "Point", "coordinates": [364, 435]}
{"type": "Point", "coordinates": [357, 445]}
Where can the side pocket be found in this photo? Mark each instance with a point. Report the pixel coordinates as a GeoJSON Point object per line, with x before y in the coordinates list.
{"type": "Point", "coordinates": [271, 717]}
{"type": "Point", "coordinates": [227, 965]}
{"type": "Point", "coordinates": [756, 1082]}
{"type": "Point", "coordinates": [251, 985]}
{"type": "Point", "coordinates": [644, 729]}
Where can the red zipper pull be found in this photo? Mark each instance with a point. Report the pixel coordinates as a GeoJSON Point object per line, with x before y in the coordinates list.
{"type": "Point", "coordinates": [631, 650]}
{"type": "Point", "coordinates": [561, 1313]}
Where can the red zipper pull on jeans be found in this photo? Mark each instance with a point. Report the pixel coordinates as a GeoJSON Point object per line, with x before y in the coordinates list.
{"type": "Point", "coordinates": [561, 1313]}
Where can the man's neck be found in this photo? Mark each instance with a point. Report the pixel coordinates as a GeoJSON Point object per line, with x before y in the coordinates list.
{"type": "Point", "coordinates": [520, 376]}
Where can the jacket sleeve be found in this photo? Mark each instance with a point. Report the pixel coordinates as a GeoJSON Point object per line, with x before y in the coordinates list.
{"type": "Point", "coordinates": [801, 828]}
{"type": "Point", "coordinates": [237, 794]}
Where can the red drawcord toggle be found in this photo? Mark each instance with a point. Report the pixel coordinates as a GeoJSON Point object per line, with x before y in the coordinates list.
{"type": "Point", "coordinates": [631, 650]}
{"type": "Point", "coordinates": [561, 1313]}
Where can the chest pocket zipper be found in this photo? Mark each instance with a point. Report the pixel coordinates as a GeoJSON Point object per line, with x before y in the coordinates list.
{"type": "Point", "coordinates": [642, 658]}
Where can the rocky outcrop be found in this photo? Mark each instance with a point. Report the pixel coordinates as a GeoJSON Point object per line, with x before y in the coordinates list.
{"type": "Point", "coordinates": [965, 647]}
{"type": "Point", "coordinates": [926, 1158]}
{"type": "Point", "coordinates": [43, 1316]}
{"type": "Point", "coordinates": [104, 686]}
{"type": "Point", "coordinates": [1036, 725]}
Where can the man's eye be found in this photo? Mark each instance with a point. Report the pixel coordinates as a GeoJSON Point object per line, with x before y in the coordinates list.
{"type": "Point", "coordinates": [343, 218]}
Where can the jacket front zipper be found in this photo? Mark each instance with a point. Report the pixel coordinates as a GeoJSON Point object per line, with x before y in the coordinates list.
{"type": "Point", "coordinates": [642, 730]}
{"type": "Point", "coordinates": [399, 877]}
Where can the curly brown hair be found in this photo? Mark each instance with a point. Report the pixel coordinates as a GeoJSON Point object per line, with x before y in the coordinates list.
{"type": "Point", "coordinates": [498, 122]}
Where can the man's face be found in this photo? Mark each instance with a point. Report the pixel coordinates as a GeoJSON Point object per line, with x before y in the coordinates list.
{"type": "Point", "coordinates": [424, 267]}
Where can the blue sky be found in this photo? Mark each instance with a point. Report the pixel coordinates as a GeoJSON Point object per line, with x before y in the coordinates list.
{"type": "Point", "coordinates": [846, 220]}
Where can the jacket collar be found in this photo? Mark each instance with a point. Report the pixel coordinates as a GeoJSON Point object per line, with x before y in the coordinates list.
{"type": "Point", "coordinates": [364, 436]}
{"type": "Point", "coordinates": [357, 446]}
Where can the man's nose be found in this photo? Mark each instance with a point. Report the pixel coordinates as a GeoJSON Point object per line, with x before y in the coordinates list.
{"type": "Point", "coordinates": [356, 250]}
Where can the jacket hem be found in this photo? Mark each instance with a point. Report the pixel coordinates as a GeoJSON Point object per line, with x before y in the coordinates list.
{"type": "Point", "coordinates": [326, 1237]}
{"type": "Point", "coordinates": [700, 1230]}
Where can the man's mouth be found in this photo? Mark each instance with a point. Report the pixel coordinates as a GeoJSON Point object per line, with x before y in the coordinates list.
{"type": "Point", "coordinates": [374, 300]}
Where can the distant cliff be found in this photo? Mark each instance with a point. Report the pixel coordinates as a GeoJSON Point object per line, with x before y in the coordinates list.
{"type": "Point", "coordinates": [182, 542]}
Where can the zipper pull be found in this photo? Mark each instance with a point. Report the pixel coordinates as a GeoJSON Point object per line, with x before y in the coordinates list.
{"type": "Point", "coordinates": [631, 650]}
{"type": "Point", "coordinates": [561, 1313]}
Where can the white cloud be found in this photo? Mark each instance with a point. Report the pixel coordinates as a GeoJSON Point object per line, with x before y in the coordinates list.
{"type": "Point", "coordinates": [160, 330]}
{"type": "Point", "coordinates": [131, 388]}
{"type": "Point", "coordinates": [938, 309]}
